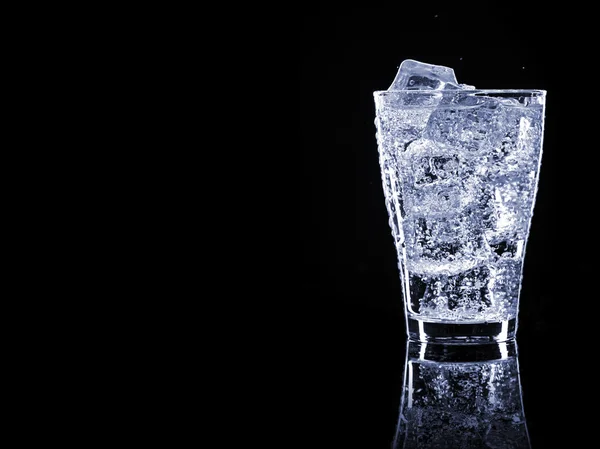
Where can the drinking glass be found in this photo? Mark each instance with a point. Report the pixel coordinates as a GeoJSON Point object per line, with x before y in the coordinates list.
{"type": "Point", "coordinates": [460, 172]}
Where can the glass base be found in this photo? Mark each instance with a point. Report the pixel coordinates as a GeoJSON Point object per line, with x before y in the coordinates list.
{"type": "Point", "coordinates": [467, 332]}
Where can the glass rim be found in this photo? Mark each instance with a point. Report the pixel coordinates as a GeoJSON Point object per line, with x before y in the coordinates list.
{"type": "Point", "coordinates": [459, 91]}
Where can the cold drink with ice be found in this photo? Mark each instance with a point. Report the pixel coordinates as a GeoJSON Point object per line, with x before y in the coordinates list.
{"type": "Point", "coordinates": [460, 168]}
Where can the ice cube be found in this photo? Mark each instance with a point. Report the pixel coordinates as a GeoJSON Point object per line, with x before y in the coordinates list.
{"type": "Point", "coordinates": [398, 127]}
{"type": "Point", "coordinates": [425, 162]}
{"type": "Point", "coordinates": [513, 141]}
{"type": "Point", "coordinates": [437, 180]}
{"type": "Point", "coordinates": [402, 116]}
{"type": "Point", "coordinates": [446, 198]}
{"type": "Point", "coordinates": [470, 127]}
{"type": "Point", "coordinates": [470, 290]}
{"type": "Point", "coordinates": [415, 75]}
{"type": "Point", "coordinates": [511, 205]}
{"type": "Point", "coordinates": [445, 244]}
{"type": "Point", "coordinates": [435, 169]}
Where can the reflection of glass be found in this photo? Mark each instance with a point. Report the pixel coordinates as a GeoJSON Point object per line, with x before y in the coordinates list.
{"type": "Point", "coordinates": [461, 397]}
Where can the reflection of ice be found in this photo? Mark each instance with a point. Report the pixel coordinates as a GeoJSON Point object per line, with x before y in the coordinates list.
{"type": "Point", "coordinates": [461, 397]}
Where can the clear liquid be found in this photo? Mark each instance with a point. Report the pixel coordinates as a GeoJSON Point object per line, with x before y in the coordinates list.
{"type": "Point", "coordinates": [460, 186]}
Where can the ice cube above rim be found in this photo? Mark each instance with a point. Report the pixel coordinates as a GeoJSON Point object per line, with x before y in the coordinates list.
{"type": "Point", "coordinates": [415, 75]}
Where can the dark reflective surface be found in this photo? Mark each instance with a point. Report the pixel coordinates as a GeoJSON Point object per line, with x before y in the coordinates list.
{"type": "Point", "coordinates": [461, 397]}
{"type": "Point", "coordinates": [352, 383]}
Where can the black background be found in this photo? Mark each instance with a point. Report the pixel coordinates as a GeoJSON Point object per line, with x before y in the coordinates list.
{"type": "Point", "coordinates": [345, 286]}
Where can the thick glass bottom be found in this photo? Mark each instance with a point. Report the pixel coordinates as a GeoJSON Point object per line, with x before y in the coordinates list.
{"type": "Point", "coordinates": [461, 332]}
